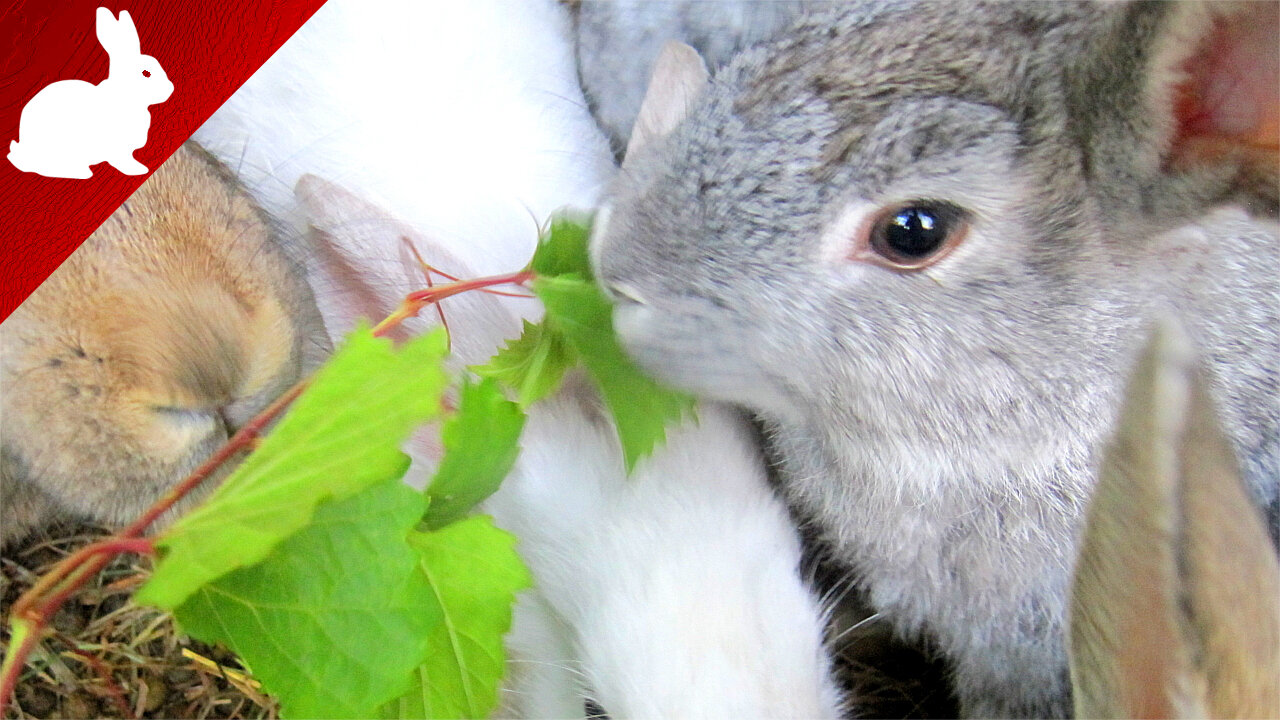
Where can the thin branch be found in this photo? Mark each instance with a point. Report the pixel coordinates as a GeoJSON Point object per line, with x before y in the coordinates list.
{"type": "Point", "coordinates": [31, 613]}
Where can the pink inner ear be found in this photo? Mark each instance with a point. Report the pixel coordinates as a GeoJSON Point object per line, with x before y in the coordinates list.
{"type": "Point", "coordinates": [350, 293]}
{"type": "Point", "coordinates": [1232, 91]}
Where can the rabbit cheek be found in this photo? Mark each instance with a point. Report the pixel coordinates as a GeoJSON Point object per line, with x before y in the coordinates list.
{"type": "Point", "coordinates": [133, 452]}
{"type": "Point", "coordinates": [85, 451]}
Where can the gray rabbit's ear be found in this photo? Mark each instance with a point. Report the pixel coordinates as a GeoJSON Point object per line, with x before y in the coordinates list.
{"type": "Point", "coordinates": [117, 37]}
{"type": "Point", "coordinates": [679, 77]}
{"type": "Point", "coordinates": [1183, 100]}
{"type": "Point", "coordinates": [1175, 607]}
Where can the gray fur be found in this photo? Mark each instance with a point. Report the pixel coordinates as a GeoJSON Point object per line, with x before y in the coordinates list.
{"type": "Point", "coordinates": [942, 427]}
{"type": "Point", "coordinates": [619, 39]}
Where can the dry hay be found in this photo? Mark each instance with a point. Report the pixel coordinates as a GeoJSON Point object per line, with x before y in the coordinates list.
{"type": "Point", "coordinates": [109, 658]}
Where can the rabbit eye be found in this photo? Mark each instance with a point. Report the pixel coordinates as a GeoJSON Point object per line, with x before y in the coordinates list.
{"type": "Point", "coordinates": [915, 235]}
{"type": "Point", "coordinates": [146, 73]}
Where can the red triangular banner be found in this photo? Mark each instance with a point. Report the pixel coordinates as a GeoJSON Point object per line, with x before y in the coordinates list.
{"type": "Point", "coordinates": [208, 48]}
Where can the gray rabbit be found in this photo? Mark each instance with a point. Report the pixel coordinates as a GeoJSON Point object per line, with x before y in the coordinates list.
{"type": "Point", "coordinates": [922, 241]}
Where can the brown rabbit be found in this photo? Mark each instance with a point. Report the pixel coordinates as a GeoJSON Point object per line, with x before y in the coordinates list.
{"type": "Point", "coordinates": [1175, 607]}
{"type": "Point", "coordinates": [177, 320]}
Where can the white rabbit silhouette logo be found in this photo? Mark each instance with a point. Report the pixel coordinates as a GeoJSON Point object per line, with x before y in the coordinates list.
{"type": "Point", "coordinates": [71, 125]}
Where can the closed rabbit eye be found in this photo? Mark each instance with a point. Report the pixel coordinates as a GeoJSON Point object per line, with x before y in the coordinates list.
{"type": "Point", "coordinates": [183, 416]}
{"type": "Point", "coordinates": [913, 235]}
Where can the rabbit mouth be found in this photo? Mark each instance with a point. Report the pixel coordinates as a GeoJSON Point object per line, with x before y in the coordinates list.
{"type": "Point", "coordinates": [687, 350]}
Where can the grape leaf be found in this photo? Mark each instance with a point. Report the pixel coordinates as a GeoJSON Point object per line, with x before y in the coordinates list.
{"type": "Point", "coordinates": [579, 326]}
{"type": "Point", "coordinates": [563, 247]}
{"type": "Point", "coordinates": [641, 407]}
{"type": "Point", "coordinates": [481, 442]}
{"type": "Point", "coordinates": [342, 435]}
{"type": "Point", "coordinates": [474, 571]}
{"type": "Point", "coordinates": [533, 365]}
{"type": "Point", "coordinates": [336, 618]}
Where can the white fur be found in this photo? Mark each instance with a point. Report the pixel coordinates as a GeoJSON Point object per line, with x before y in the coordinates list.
{"type": "Point", "coordinates": [464, 120]}
{"type": "Point", "coordinates": [673, 593]}
{"type": "Point", "coordinates": [680, 585]}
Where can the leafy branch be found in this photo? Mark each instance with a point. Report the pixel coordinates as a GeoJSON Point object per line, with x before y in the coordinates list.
{"type": "Point", "coordinates": [313, 547]}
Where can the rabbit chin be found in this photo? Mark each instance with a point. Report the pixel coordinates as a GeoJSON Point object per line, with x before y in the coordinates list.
{"type": "Point", "coordinates": [680, 348]}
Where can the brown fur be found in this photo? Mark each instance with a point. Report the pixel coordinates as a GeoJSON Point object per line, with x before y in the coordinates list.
{"type": "Point", "coordinates": [1176, 604]}
{"type": "Point", "coordinates": [174, 323]}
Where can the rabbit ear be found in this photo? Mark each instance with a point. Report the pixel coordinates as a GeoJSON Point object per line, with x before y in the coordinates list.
{"type": "Point", "coordinates": [1232, 84]}
{"type": "Point", "coordinates": [679, 76]}
{"type": "Point", "coordinates": [118, 37]}
{"type": "Point", "coordinates": [1187, 93]}
{"type": "Point", "coordinates": [1175, 610]}
{"type": "Point", "coordinates": [364, 265]}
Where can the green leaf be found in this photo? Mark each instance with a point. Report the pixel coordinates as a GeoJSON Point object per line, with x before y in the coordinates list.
{"type": "Point", "coordinates": [475, 573]}
{"type": "Point", "coordinates": [641, 407]}
{"type": "Point", "coordinates": [481, 442]}
{"type": "Point", "coordinates": [563, 247]}
{"type": "Point", "coordinates": [533, 365]}
{"type": "Point", "coordinates": [335, 620]}
{"type": "Point", "coordinates": [341, 436]}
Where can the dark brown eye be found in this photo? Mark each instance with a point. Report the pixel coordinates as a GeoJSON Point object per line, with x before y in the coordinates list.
{"type": "Point", "coordinates": [916, 235]}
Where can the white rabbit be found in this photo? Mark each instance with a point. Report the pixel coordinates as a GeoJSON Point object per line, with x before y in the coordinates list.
{"type": "Point", "coordinates": [482, 98]}
{"type": "Point", "coordinates": [673, 592]}
{"type": "Point", "coordinates": [676, 592]}
{"type": "Point", "coordinates": [71, 125]}
{"type": "Point", "coordinates": [376, 106]}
